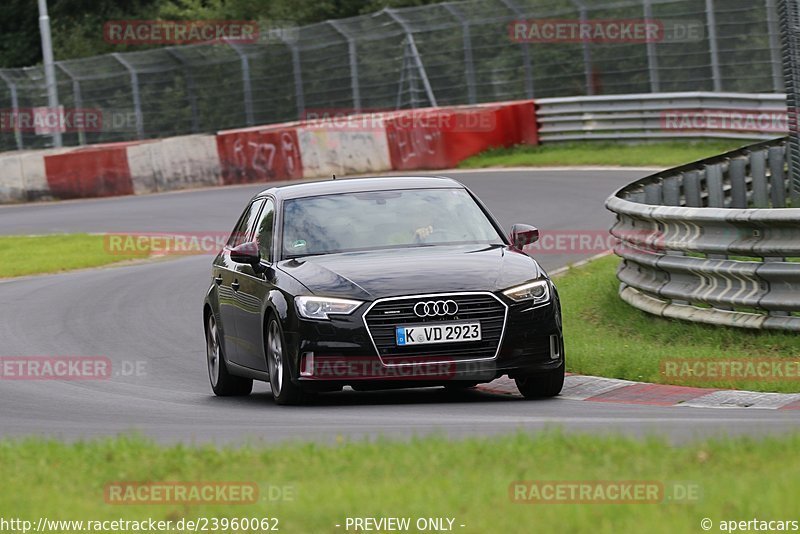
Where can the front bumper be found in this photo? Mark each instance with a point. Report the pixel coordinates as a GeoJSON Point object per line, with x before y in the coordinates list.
{"type": "Point", "coordinates": [341, 351]}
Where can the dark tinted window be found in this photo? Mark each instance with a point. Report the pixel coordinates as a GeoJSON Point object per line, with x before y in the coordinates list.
{"type": "Point", "coordinates": [244, 227]}
{"type": "Point", "coordinates": [264, 230]}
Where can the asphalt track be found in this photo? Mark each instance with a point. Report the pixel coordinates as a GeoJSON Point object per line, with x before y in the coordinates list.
{"type": "Point", "coordinates": [146, 319]}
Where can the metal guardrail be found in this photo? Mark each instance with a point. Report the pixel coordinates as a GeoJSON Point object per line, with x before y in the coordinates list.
{"type": "Point", "coordinates": [662, 115]}
{"type": "Point", "coordinates": [714, 241]}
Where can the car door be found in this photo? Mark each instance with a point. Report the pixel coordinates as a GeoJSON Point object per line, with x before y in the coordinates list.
{"type": "Point", "coordinates": [254, 288]}
{"type": "Point", "coordinates": [228, 285]}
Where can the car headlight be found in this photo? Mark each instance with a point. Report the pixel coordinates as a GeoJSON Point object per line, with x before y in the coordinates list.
{"type": "Point", "coordinates": [322, 307]}
{"type": "Point", "coordinates": [538, 292]}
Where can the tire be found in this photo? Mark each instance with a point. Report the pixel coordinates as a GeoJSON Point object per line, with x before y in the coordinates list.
{"type": "Point", "coordinates": [223, 383]}
{"type": "Point", "coordinates": [284, 391]}
{"type": "Point", "coordinates": [539, 386]}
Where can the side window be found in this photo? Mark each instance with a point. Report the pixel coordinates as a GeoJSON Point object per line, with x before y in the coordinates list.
{"type": "Point", "coordinates": [264, 230]}
{"type": "Point", "coordinates": [245, 224]}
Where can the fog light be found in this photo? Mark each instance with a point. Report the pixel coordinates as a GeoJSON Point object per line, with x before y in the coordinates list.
{"type": "Point", "coordinates": [555, 348]}
{"type": "Point", "coordinates": [307, 364]}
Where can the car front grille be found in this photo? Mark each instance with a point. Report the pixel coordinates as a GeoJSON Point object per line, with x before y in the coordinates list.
{"type": "Point", "coordinates": [386, 314]}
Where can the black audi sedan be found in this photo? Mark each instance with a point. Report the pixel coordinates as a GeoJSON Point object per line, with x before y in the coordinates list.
{"type": "Point", "coordinates": [378, 283]}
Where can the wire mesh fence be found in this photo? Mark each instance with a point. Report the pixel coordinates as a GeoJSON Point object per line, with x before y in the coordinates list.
{"type": "Point", "coordinates": [444, 54]}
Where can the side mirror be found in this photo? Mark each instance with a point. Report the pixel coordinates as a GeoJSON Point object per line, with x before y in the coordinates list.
{"type": "Point", "coordinates": [248, 254]}
{"type": "Point", "coordinates": [523, 234]}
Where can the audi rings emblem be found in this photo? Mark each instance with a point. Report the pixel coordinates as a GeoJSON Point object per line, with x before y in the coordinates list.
{"type": "Point", "coordinates": [436, 308]}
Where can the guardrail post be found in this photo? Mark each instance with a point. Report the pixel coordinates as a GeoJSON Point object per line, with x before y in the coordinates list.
{"type": "Point", "coordinates": [716, 199]}
{"type": "Point", "coordinates": [776, 177]}
{"type": "Point", "coordinates": [137, 100]}
{"type": "Point", "coordinates": [716, 193]}
{"type": "Point", "coordinates": [76, 97]}
{"type": "Point", "coordinates": [736, 171]}
{"type": "Point", "coordinates": [652, 194]}
{"type": "Point", "coordinates": [671, 196]}
{"type": "Point", "coordinates": [352, 53]}
{"type": "Point", "coordinates": [469, 67]}
{"type": "Point", "coordinates": [758, 170]}
{"type": "Point", "coordinates": [526, 52]}
{"type": "Point", "coordinates": [672, 191]}
{"type": "Point", "coordinates": [12, 88]}
{"type": "Point", "coordinates": [691, 189]}
{"type": "Point", "coordinates": [713, 46]}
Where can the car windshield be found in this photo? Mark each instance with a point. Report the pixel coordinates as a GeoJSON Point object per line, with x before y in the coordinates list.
{"type": "Point", "coordinates": [383, 219]}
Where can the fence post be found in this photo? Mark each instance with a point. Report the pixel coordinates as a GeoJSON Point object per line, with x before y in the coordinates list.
{"type": "Point", "coordinates": [774, 46]}
{"type": "Point", "coordinates": [469, 67]}
{"type": "Point", "coordinates": [137, 100]}
{"type": "Point", "coordinates": [190, 87]}
{"type": "Point", "coordinates": [49, 72]}
{"type": "Point", "coordinates": [76, 97]}
{"type": "Point", "coordinates": [415, 54]}
{"type": "Point", "coordinates": [652, 55]}
{"type": "Point", "coordinates": [713, 47]}
{"type": "Point", "coordinates": [526, 52]}
{"type": "Point", "coordinates": [12, 87]}
{"type": "Point", "coordinates": [300, 101]}
{"type": "Point", "coordinates": [246, 87]}
{"type": "Point", "coordinates": [587, 52]}
{"type": "Point", "coordinates": [352, 53]}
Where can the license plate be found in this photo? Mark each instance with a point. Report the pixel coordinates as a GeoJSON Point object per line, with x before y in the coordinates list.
{"type": "Point", "coordinates": [426, 334]}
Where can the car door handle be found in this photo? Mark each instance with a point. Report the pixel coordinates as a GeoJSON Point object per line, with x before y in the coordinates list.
{"type": "Point", "coordinates": [235, 286]}
{"type": "Point", "coordinates": [218, 280]}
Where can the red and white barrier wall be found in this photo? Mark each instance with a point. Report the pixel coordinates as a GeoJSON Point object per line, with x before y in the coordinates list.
{"type": "Point", "coordinates": [434, 138]}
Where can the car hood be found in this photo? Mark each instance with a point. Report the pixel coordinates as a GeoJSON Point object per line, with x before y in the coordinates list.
{"type": "Point", "coordinates": [385, 273]}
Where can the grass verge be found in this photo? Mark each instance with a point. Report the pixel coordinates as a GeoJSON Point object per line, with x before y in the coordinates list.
{"type": "Point", "coordinates": [469, 480]}
{"type": "Point", "coordinates": [656, 154]}
{"type": "Point", "coordinates": [604, 336]}
{"type": "Point", "coordinates": [25, 255]}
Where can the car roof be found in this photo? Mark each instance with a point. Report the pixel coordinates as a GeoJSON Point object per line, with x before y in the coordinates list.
{"type": "Point", "coordinates": [356, 185]}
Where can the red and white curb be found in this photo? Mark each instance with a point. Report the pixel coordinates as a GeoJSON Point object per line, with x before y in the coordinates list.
{"type": "Point", "coordinates": [597, 389]}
